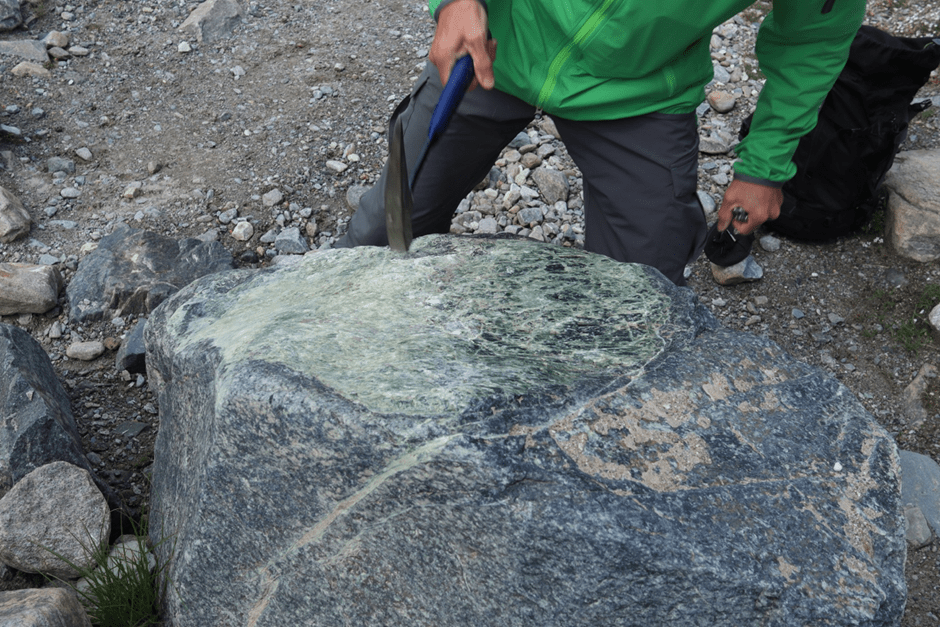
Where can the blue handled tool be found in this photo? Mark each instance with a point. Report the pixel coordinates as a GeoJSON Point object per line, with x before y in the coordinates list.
{"type": "Point", "coordinates": [398, 185]}
{"type": "Point", "coordinates": [457, 83]}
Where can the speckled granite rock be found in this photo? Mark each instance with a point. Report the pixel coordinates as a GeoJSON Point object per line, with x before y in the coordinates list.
{"type": "Point", "coordinates": [490, 432]}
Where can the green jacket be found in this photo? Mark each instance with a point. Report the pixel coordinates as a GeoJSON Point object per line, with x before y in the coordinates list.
{"type": "Point", "coordinates": [609, 59]}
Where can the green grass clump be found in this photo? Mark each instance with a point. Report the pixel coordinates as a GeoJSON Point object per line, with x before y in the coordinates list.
{"type": "Point", "coordinates": [124, 587]}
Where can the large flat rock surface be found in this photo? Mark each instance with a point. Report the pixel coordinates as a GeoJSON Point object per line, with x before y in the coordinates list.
{"type": "Point", "coordinates": [493, 432]}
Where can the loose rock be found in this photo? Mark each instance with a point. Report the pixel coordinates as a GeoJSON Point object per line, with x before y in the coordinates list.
{"type": "Point", "coordinates": [15, 221]}
{"type": "Point", "coordinates": [46, 607]}
{"type": "Point", "coordinates": [28, 288]}
{"type": "Point", "coordinates": [85, 351]}
{"type": "Point", "coordinates": [56, 509]}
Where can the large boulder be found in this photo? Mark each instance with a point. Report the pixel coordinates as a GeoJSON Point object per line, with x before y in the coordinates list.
{"type": "Point", "coordinates": [36, 422]}
{"type": "Point", "coordinates": [10, 15]}
{"type": "Point", "coordinates": [133, 271]}
{"type": "Point", "coordinates": [212, 20]}
{"type": "Point", "coordinates": [493, 432]}
{"type": "Point", "coordinates": [913, 220]}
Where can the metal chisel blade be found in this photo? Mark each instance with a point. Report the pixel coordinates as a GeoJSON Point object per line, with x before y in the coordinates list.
{"type": "Point", "coordinates": [398, 199]}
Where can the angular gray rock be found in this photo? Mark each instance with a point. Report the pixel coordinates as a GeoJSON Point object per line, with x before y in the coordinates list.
{"type": "Point", "coordinates": [920, 486]}
{"type": "Point", "coordinates": [912, 225]}
{"type": "Point", "coordinates": [552, 184]}
{"type": "Point", "coordinates": [212, 20]}
{"type": "Point", "coordinates": [131, 355]}
{"type": "Point", "coordinates": [133, 271]}
{"type": "Point", "coordinates": [36, 422]}
{"type": "Point", "coordinates": [14, 219]}
{"type": "Point", "coordinates": [46, 607]}
{"type": "Point", "coordinates": [10, 15]}
{"type": "Point", "coordinates": [28, 288]}
{"type": "Point", "coordinates": [498, 432]}
{"type": "Point", "coordinates": [291, 242]}
{"type": "Point", "coordinates": [29, 49]}
{"type": "Point", "coordinates": [52, 521]}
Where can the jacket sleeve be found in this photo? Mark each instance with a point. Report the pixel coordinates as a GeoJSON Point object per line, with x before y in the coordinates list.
{"type": "Point", "coordinates": [801, 51]}
{"type": "Point", "coordinates": [435, 6]}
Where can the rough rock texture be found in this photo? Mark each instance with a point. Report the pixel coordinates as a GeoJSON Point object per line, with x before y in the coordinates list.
{"type": "Point", "coordinates": [49, 607]}
{"type": "Point", "coordinates": [29, 49]}
{"type": "Point", "coordinates": [14, 219]}
{"type": "Point", "coordinates": [36, 422]}
{"type": "Point", "coordinates": [212, 20]}
{"type": "Point", "coordinates": [921, 486]}
{"type": "Point", "coordinates": [10, 14]}
{"type": "Point", "coordinates": [489, 432]}
{"type": "Point", "coordinates": [132, 354]}
{"type": "Point", "coordinates": [28, 288]}
{"type": "Point", "coordinates": [133, 271]}
{"type": "Point", "coordinates": [54, 512]}
{"type": "Point", "coordinates": [912, 226]}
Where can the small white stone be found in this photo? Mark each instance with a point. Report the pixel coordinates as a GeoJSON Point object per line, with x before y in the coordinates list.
{"type": "Point", "coordinates": [85, 351]}
{"type": "Point", "coordinates": [184, 47]}
{"type": "Point", "coordinates": [837, 467]}
{"type": "Point", "coordinates": [84, 153]}
{"type": "Point", "coordinates": [336, 166]}
{"type": "Point", "coordinates": [935, 317]}
{"type": "Point", "coordinates": [243, 231]}
{"type": "Point", "coordinates": [70, 192]}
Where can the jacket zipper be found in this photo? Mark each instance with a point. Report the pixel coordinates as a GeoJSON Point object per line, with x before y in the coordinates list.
{"type": "Point", "coordinates": [564, 54]}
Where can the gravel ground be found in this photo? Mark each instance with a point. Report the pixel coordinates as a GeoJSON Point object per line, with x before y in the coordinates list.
{"type": "Point", "coordinates": [297, 99]}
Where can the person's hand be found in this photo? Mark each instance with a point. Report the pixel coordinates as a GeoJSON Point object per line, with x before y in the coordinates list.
{"type": "Point", "coordinates": [461, 30]}
{"type": "Point", "coordinates": [761, 202]}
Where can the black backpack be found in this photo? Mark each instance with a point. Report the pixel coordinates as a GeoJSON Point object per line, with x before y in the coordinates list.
{"type": "Point", "coordinates": [842, 162]}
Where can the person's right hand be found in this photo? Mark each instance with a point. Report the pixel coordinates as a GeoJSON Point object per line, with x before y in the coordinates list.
{"type": "Point", "coordinates": [461, 30]}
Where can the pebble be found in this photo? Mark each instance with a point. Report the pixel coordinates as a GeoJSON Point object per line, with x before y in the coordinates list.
{"type": "Point", "coordinates": [895, 278]}
{"type": "Point", "coordinates": [721, 101]}
{"type": "Point", "coordinates": [769, 243]}
{"type": "Point", "coordinates": [85, 351]}
{"type": "Point", "coordinates": [336, 166]}
{"type": "Point", "coordinates": [243, 231]}
{"type": "Point", "coordinates": [798, 314]}
{"type": "Point", "coordinates": [228, 215]}
{"type": "Point", "coordinates": [84, 154]}
{"type": "Point", "coordinates": [70, 192]}
{"type": "Point", "coordinates": [272, 198]}
{"type": "Point", "coordinates": [184, 47]}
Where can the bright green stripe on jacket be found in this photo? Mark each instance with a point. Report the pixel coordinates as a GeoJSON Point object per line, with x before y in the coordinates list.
{"type": "Point", "coordinates": [592, 60]}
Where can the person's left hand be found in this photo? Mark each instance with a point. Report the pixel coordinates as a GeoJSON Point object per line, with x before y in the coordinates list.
{"type": "Point", "coordinates": [761, 202]}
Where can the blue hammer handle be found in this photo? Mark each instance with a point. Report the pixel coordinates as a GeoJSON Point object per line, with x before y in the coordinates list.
{"type": "Point", "coordinates": [456, 87]}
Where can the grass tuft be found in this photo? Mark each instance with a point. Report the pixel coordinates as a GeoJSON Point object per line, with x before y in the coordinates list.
{"type": "Point", "coordinates": [125, 586]}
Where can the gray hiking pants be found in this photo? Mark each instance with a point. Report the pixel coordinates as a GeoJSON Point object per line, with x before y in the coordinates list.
{"type": "Point", "coordinates": [640, 176]}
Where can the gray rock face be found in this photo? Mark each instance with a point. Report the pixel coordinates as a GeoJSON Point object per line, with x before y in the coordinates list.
{"type": "Point", "coordinates": [10, 15]}
{"type": "Point", "coordinates": [132, 271]}
{"type": "Point", "coordinates": [54, 512]}
{"type": "Point", "coordinates": [28, 288]}
{"type": "Point", "coordinates": [48, 607]}
{"type": "Point", "coordinates": [14, 219]}
{"type": "Point", "coordinates": [913, 220]}
{"type": "Point", "coordinates": [493, 432]}
{"type": "Point", "coordinates": [36, 422]}
{"type": "Point", "coordinates": [212, 20]}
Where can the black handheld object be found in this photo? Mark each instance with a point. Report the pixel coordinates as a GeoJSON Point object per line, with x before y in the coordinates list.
{"type": "Point", "coordinates": [728, 247]}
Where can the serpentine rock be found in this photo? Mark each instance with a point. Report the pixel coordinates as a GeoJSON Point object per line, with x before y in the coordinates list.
{"type": "Point", "coordinates": [491, 432]}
